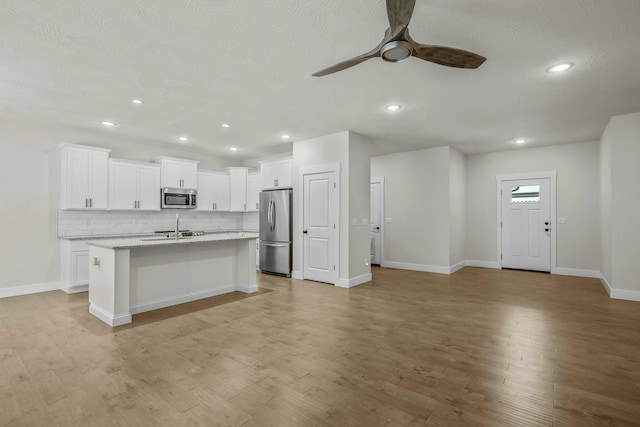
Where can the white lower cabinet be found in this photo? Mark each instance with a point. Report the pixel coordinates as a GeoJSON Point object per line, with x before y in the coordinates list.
{"type": "Point", "coordinates": [74, 266]}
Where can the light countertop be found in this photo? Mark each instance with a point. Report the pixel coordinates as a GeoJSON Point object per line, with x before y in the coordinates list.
{"type": "Point", "coordinates": [152, 241]}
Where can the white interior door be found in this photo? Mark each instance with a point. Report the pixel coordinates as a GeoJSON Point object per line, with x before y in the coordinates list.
{"type": "Point", "coordinates": [526, 224]}
{"type": "Point", "coordinates": [376, 216]}
{"type": "Point", "coordinates": [319, 227]}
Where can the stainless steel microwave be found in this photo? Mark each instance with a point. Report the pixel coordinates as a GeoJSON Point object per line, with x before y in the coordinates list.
{"type": "Point", "coordinates": [178, 198]}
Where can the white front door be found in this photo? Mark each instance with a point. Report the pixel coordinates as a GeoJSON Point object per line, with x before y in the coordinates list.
{"type": "Point", "coordinates": [376, 208]}
{"type": "Point", "coordinates": [319, 227]}
{"type": "Point", "coordinates": [526, 229]}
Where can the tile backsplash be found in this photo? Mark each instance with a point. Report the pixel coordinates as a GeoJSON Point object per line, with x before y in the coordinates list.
{"type": "Point", "coordinates": [104, 223]}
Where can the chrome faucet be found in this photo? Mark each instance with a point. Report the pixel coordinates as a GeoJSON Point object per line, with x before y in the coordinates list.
{"type": "Point", "coordinates": [177, 226]}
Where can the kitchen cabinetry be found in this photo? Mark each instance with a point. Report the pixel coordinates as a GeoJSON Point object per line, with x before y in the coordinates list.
{"type": "Point", "coordinates": [276, 173]}
{"type": "Point", "coordinates": [74, 266]}
{"type": "Point", "coordinates": [254, 182]}
{"type": "Point", "coordinates": [178, 173]}
{"type": "Point", "coordinates": [134, 185]}
{"type": "Point", "coordinates": [213, 191]}
{"type": "Point", "coordinates": [237, 189]}
{"type": "Point", "coordinates": [84, 177]}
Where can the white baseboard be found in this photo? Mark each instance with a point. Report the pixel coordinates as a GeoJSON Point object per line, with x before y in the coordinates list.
{"type": "Point", "coordinates": [350, 283]}
{"type": "Point", "coordinates": [296, 275]}
{"type": "Point", "coordinates": [481, 264]}
{"type": "Point", "coordinates": [606, 285]}
{"type": "Point", "coordinates": [35, 288]}
{"type": "Point", "coordinates": [594, 274]}
{"type": "Point", "coordinates": [75, 289]}
{"type": "Point", "coordinates": [248, 289]}
{"type": "Point", "coordinates": [458, 266]}
{"type": "Point", "coordinates": [167, 302]}
{"type": "Point", "coordinates": [108, 318]}
{"type": "Point", "coordinates": [417, 267]}
{"type": "Point", "coordinates": [623, 294]}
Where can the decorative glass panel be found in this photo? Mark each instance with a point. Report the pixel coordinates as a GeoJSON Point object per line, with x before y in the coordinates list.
{"type": "Point", "coordinates": [525, 194]}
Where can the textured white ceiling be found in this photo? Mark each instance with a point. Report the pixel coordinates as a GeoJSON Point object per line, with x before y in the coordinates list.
{"type": "Point", "coordinates": [199, 63]}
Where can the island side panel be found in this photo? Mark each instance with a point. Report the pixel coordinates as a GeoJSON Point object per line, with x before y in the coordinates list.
{"type": "Point", "coordinates": [158, 277]}
{"type": "Point", "coordinates": [109, 285]}
{"type": "Point", "coordinates": [246, 266]}
{"type": "Point", "coordinates": [211, 268]}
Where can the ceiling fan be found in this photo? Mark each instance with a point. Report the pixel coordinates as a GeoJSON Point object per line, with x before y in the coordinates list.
{"type": "Point", "coordinates": [398, 45]}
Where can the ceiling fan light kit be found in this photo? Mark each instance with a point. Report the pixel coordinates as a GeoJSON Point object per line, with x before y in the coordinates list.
{"type": "Point", "coordinates": [397, 45]}
{"type": "Point", "coordinates": [396, 51]}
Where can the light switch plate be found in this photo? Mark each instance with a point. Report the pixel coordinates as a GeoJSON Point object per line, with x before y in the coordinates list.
{"type": "Point", "coordinates": [388, 220]}
{"type": "Point", "coordinates": [562, 220]}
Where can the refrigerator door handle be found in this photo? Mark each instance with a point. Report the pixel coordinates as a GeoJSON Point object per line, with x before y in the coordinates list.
{"type": "Point", "coordinates": [273, 216]}
{"type": "Point", "coordinates": [269, 214]}
{"type": "Point", "coordinates": [276, 245]}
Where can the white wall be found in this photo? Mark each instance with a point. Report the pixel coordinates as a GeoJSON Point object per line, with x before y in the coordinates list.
{"type": "Point", "coordinates": [29, 252]}
{"type": "Point", "coordinates": [359, 205]}
{"type": "Point", "coordinates": [351, 151]}
{"type": "Point", "coordinates": [417, 201]}
{"type": "Point", "coordinates": [457, 206]}
{"type": "Point", "coordinates": [321, 151]}
{"type": "Point", "coordinates": [578, 240]}
{"type": "Point", "coordinates": [620, 204]}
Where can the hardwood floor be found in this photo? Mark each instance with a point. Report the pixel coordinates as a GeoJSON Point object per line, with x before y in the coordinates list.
{"type": "Point", "coordinates": [481, 347]}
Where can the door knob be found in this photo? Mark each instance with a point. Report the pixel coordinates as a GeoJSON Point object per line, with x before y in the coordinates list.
{"type": "Point", "coordinates": [546, 223]}
{"type": "Point", "coordinates": [546, 229]}
{"type": "Point", "coordinates": [377, 228]}
{"type": "Point", "coordinates": [305, 231]}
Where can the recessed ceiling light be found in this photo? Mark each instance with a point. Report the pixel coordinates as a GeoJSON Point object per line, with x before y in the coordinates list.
{"type": "Point", "coordinates": [225, 125]}
{"type": "Point", "coordinates": [286, 137]}
{"type": "Point", "coordinates": [392, 107]}
{"type": "Point", "coordinates": [183, 138]}
{"type": "Point", "coordinates": [520, 141]}
{"type": "Point", "coordinates": [137, 101]}
{"type": "Point", "coordinates": [108, 123]}
{"type": "Point", "coordinates": [233, 148]}
{"type": "Point", "coordinates": [560, 67]}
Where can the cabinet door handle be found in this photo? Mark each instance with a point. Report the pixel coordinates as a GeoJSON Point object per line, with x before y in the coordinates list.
{"type": "Point", "coordinates": [90, 202]}
{"type": "Point", "coordinates": [257, 206]}
{"type": "Point", "coordinates": [135, 204]}
{"type": "Point", "coordinates": [86, 203]}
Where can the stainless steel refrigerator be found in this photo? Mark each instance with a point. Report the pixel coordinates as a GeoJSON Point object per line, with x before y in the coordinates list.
{"type": "Point", "coordinates": [275, 231]}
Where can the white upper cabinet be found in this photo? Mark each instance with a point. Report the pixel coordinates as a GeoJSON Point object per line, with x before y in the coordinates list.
{"type": "Point", "coordinates": [254, 182]}
{"type": "Point", "coordinates": [276, 173]}
{"type": "Point", "coordinates": [237, 189]}
{"type": "Point", "coordinates": [133, 185]}
{"type": "Point", "coordinates": [213, 191]}
{"type": "Point", "coordinates": [85, 176]}
{"type": "Point", "coordinates": [178, 173]}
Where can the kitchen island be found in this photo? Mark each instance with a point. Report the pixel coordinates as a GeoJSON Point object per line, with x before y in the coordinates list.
{"type": "Point", "coordinates": [134, 275]}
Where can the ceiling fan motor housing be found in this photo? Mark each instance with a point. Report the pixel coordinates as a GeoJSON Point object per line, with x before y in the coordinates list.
{"type": "Point", "coordinates": [397, 50]}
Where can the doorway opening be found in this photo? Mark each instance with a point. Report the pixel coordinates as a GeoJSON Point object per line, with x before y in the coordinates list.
{"type": "Point", "coordinates": [377, 221]}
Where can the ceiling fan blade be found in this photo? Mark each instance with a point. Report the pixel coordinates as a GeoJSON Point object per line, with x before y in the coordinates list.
{"type": "Point", "coordinates": [399, 13]}
{"type": "Point", "coordinates": [448, 56]}
{"type": "Point", "coordinates": [349, 62]}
